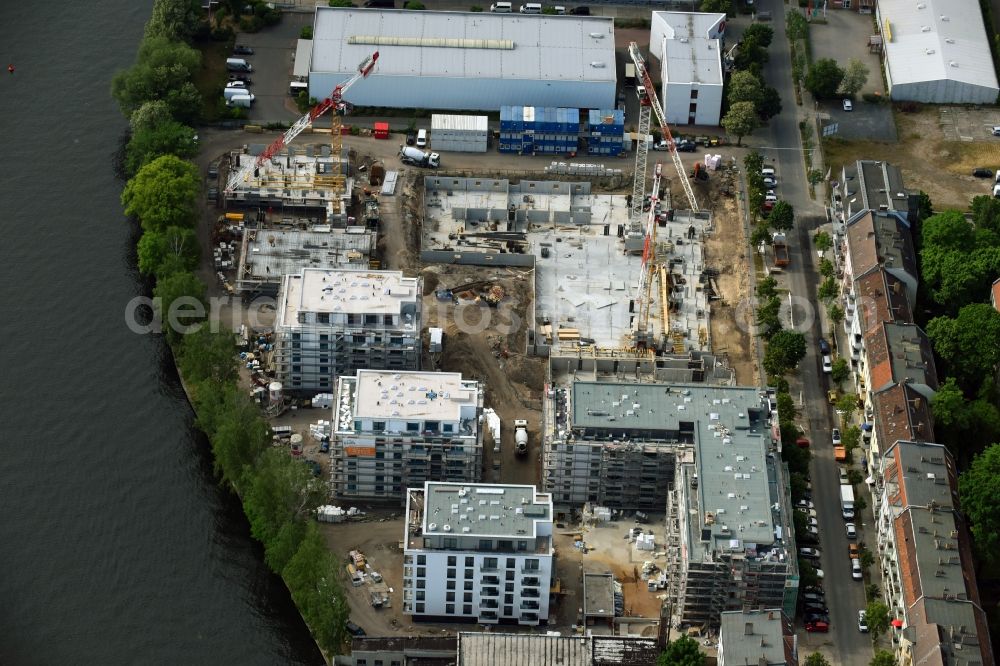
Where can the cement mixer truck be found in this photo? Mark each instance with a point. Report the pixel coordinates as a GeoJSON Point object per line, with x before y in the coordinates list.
{"type": "Point", "coordinates": [520, 437]}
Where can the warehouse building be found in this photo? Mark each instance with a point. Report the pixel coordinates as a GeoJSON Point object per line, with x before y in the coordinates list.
{"type": "Point", "coordinates": [332, 322]}
{"type": "Point", "coordinates": [395, 430]}
{"type": "Point", "coordinates": [937, 52]}
{"type": "Point", "coordinates": [479, 552]}
{"type": "Point", "coordinates": [689, 47]}
{"type": "Point", "coordinates": [465, 60]}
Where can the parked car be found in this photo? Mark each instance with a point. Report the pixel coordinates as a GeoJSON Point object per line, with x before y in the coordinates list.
{"type": "Point", "coordinates": [848, 514]}
{"type": "Point", "coordinates": [996, 130]}
{"type": "Point", "coordinates": [813, 530]}
{"type": "Point", "coordinates": [854, 550]}
{"type": "Point", "coordinates": [827, 363]}
{"type": "Point", "coordinates": [824, 346]}
{"type": "Point", "coordinates": [843, 476]}
{"type": "Point", "coordinates": [242, 49]}
{"type": "Point", "coordinates": [236, 84]}
{"type": "Point", "coordinates": [811, 553]}
{"type": "Point", "coordinates": [802, 442]}
{"type": "Point", "coordinates": [810, 513]}
{"type": "Point", "coordinates": [848, 105]}
{"type": "Point", "coordinates": [686, 146]}
{"type": "Point", "coordinates": [813, 589]}
{"type": "Point", "coordinates": [817, 609]}
{"type": "Point", "coordinates": [819, 574]}
{"type": "Point", "coordinates": [241, 77]}
{"type": "Point", "coordinates": [856, 572]}
{"type": "Point", "coordinates": [852, 531]}
{"type": "Point", "coordinates": [411, 138]}
{"type": "Point", "coordinates": [805, 504]}
{"type": "Point", "coordinates": [812, 596]}
{"type": "Point", "coordinates": [354, 630]}
{"type": "Point", "coordinates": [213, 170]}
{"type": "Point", "coordinates": [982, 173]}
{"type": "Point", "coordinates": [817, 617]}
{"type": "Point", "coordinates": [580, 11]}
{"type": "Point", "coordinates": [862, 622]}
{"type": "Point", "coordinates": [770, 182]}
{"type": "Point", "coordinates": [835, 434]}
{"type": "Point", "coordinates": [817, 626]}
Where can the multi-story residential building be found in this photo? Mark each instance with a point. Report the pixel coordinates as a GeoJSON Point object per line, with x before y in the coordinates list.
{"type": "Point", "coordinates": [928, 577]}
{"type": "Point", "coordinates": [333, 322]}
{"type": "Point", "coordinates": [395, 430]}
{"type": "Point", "coordinates": [879, 261]}
{"type": "Point", "coordinates": [760, 637]}
{"type": "Point", "coordinates": [872, 185]}
{"type": "Point", "coordinates": [896, 372]}
{"type": "Point", "coordinates": [478, 552]}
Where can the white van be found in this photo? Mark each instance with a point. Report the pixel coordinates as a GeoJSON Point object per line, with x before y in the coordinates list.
{"type": "Point", "coordinates": [421, 138]}
{"type": "Point", "coordinates": [501, 8]}
{"type": "Point", "coordinates": [296, 87]}
{"type": "Point", "coordinates": [244, 100]}
{"type": "Point", "coordinates": [767, 171]}
{"type": "Point", "coordinates": [531, 8]}
{"type": "Point", "coordinates": [560, 10]}
{"type": "Point", "coordinates": [230, 93]}
{"type": "Point", "coordinates": [238, 65]}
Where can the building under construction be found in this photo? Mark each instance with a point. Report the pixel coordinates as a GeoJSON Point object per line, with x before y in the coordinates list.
{"type": "Point", "coordinates": [705, 454]}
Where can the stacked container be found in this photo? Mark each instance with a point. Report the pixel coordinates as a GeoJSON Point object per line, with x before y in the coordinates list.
{"type": "Point", "coordinates": [536, 130]}
{"type": "Point", "coordinates": [607, 132]}
{"type": "Point", "coordinates": [459, 134]}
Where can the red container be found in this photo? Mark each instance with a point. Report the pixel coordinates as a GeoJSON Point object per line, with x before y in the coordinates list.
{"type": "Point", "coordinates": [381, 130]}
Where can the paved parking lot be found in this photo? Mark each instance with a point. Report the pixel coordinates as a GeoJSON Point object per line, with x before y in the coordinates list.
{"type": "Point", "coordinates": [273, 60]}
{"type": "Point", "coordinates": [867, 121]}
{"type": "Point", "coordinates": [968, 123]}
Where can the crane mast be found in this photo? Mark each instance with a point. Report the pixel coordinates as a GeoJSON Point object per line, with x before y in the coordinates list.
{"type": "Point", "coordinates": [240, 177]}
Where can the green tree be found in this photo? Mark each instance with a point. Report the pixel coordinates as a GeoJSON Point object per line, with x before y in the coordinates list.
{"type": "Point", "coordinates": [969, 344]}
{"type": "Point", "coordinates": [744, 87]}
{"type": "Point", "coordinates": [238, 435]}
{"type": "Point", "coordinates": [281, 490]}
{"type": "Point", "coordinates": [306, 32]}
{"type": "Point", "coordinates": [549, 10]}
{"type": "Point", "coordinates": [816, 659]}
{"type": "Point", "coordinates": [851, 437]}
{"type": "Point", "coordinates": [823, 78]}
{"type": "Point", "coordinates": [978, 488]}
{"type": "Point", "coordinates": [149, 115]}
{"type": "Point", "coordinates": [822, 241]}
{"type": "Point", "coordinates": [176, 302]}
{"type": "Point", "coordinates": [173, 19]}
{"type": "Point", "coordinates": [965, 425]}
{"type": "Point", "coordinates": [162, 253]}
{"type": "Point", "coordinates": [986, 215]}
{"type": "Point", "coordinates": [716, 6]}
{"type": "Point", "coordinates": [883, 658]}
{"type": "Point", "coordinates": [855, 77]}
{"type": "Point", "coordinates": [784, 351]}
{"type": "Point", "coordinates": [769, 317]}
{"type": "Point", "coordinates": [877, 616]}
{"type": "Point", "coordinates": [741, 120]}
{"type": "Point", "coordinates": [835, 313]}
{"type": "Point", "coordinates": [840, 372]}
{"type": "Point", "coordinates": [866, 558]}
{"type": "Point", "coordinates": [681, 652]}
{"type": "Point", "coordinates": [796, 25]}
{"type": "Point", "coordinates": [847, 404]}
{"type": "Point", "coordinates": [163, 194]}
{"type": "Point", "coordinates": [341, 3]}
{"type": "Point", "coordinates": [168, 138]}
{"type": "Point", "coordinates": [798, 485]}
{"type": "Point", "coordinates": [807, 572]}
{"type": "Point", "coordinates": [782, 216]}
{"type": "Point", "coordinates": [827, 289]}
{"type": "Point", "coordinates": [312, 579]}
{"type": "Point", "coordinates": [205, 355]}
{"type": "Point", "coordinates": [767, 288]}
{"type": "Point", "coordinates": [414, 4]}
{"type": "Point", "coordinates": [759, 33]}
{"type": "Point", "coordinates": [753, 162]}
{"type": "Point", "coordinates": [826, 268]}
{"type": "Point", "coordinates": [760, 234]}
{"type": "Point", "coordinates": [280, 550]}
{"type": "Point", "coordinates": [872, 593]}
{"type": "Point", "coordinates": [925, 207]}
{"type": "Point", "coordinates": [786, 408]}
{"type": "Point", "coordinates": [163, 71]}
{"type": "Point", "coordinates": [750, 57]}
{"type": "Point", "coordinates": [769, 104]}
{"type": "Point", "coordinates": [815, 177]}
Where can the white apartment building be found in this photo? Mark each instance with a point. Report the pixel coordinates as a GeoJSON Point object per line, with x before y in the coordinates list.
{"type": "Point", "coordinates": [395, 430]}
{"type": "Point", "coordinates": [479, 552]}
{"type": "Point", "coordinates": [333, 322]}
{"type": "Point", "coordinates": [689, 47]}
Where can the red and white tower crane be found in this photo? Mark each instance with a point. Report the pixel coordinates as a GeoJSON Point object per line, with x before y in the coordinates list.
{"type": "Point", "coordinates": [242, 175]}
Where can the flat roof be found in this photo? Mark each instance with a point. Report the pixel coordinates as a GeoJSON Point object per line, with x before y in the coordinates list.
{"type": "Point", "coordinates": [458, 122]}
{"type": "Point", "coordinates": [755, 637]}
{"type": "Point", "coordinates": [269, 254]}
{"type": "Point", "coordinates": [598, 595]}
{"type": "Point", "coordinates": [470, 45]}
{"type": "Point", "coordinates": [362, 292]}
{"type": "Point", "coordinates": [932, 40]}
{"type": "Point", "coordinates": [497, 649]}
{"type": "Point", "coordinates": [484, 509]}
{"type": "Point", "coordinates": [689, 54]}
{"type": "Point", "coordinates": [383, 394]}
{"type": "Point", "coordinates": [303, 58]}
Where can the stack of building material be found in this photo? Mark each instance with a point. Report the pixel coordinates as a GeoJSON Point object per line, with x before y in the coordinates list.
{"type": "Point", "coordinates": [645, 542]}
{"type": "Point", "coordinates": [536, 130]}
{"type": "Point", "coordinates": [322, 401]}
{"type": "Point", "coordinates": [607, 132]}
{"type": "Point", "coordinates": [459, 134]}
{"type": "Point", "coordinates": [330, 514]}
{"type": "Point", "coordinates": [321, 429]}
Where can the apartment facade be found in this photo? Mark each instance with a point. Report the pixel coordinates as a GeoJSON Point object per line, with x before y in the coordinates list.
{"type": "Point", "coordinates": [477, 552]}
{"type": "Point", "coordinates": [395, 430]}
{"type": "Point", "coordinates": [928, 579]}
{"type": "Point", "coordinates": [333, 322]}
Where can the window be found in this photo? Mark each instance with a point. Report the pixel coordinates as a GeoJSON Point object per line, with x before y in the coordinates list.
{"type": "Point", "coordinates": [447, 427]}
{"type": "Point", "coordinates": [421, 559]}
{"type": "Point", "coordinates": [420, 595]}
{"type": "Point", "coordinates": [371, 319]}
{"type": "Point", "coordinates": [693, 108]}
{"type": "Point", "coordinates": [449, 609]}
{"type": "Point", "coordinates": [486, 544]}
{"type": "Point", "coordinates": [451, 573]}
{"type": "Point", "coordinates": [508, 598]}
{"type": "Point", "coordinates": [467, 597]}
{"type": "Point", "coordinates": [420, 608]}
{"type": "Point", "coordinates": [506, 545]}
{"type": "Point", "coordinates": [450, 542]}
{"type": "Point", "coordinates": [490, 563]}
{"type": "Point", "coordinates": [451, 585]}
{"type": "Point", "coordinates": [468, 584]}
{"type": "Point", "coordinates": [378, 426]}
{"type": "Point", "coordinates": [467, 609]}
{"type": "Point", "coordinates": [412, 427]}
{"type": "Point", "coordinates": [531, 565]}
{"type": "Point", "coordinates": [450, 596]}
{"type": "Point", "coordinates": [421, 583]}
{"type": "Point", "coordinates": [694, 94]}
{"type": "Point", "coordinates": [508, 610]}
{"type": "Point", "coordinates": [452, 560]}
{"type": "Point", "coordinates": [323, 317]}
{"type": "Point", "coordinates": [511, 562]}
{"type": "Point", "coordinates": [509, 587]}
{"type": "Point", "coordinates": [470, 562]}
{"type": "Point", "coordinates": [510, 575]}
{"type": "Point", "coordinates": [522, 545]}
{"type": "Point", "coordinates": [432, 426]}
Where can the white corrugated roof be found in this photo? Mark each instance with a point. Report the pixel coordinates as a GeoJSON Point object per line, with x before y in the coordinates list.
{"type": "Point", "coordinates": [928, 36]}
{"type": "Point", "coordinates": [690, 51]}
{"type": "Point", "coordinates": [561, 48]}
{"type": "Point", "coordinates": [442, 121]}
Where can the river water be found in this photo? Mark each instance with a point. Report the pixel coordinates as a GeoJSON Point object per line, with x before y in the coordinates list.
{"type": "Point", "coordinates": [116, 545]}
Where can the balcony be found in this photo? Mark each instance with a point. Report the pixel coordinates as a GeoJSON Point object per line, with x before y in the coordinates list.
{"type": "Point", "coordinates": [529, 605]}
{"type": "Point", "coordinates": [490, 580]}
{"type": "Point", "coordinates": [530, 594]}
{"type": "Point", "coordinates": [489, 603]}
{"type": "Point", "coordinates": [490, 592]}
{"type": "Point", "coordinates": [531, 581]}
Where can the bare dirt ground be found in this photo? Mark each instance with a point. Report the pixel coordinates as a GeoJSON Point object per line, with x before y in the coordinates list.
{"type": "Point", "coordinates": [930, 160]}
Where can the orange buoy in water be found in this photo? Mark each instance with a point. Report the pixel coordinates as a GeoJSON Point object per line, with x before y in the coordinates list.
{"type": "Point", "coordinates": [10, 68]}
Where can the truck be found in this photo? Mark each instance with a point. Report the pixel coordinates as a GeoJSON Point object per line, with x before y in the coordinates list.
{"type": "Point", "coordinates": [847, 500]}
{"type": "Point", "coordinates": [520, 437]}
{"type": "Point", "coordinates": [840, 454]}
{"type": "Point", "coordinates": [780, 245]}
{"type": "Point", "coordinates": [629, 74]}
{"type": "Point", "coordinates": [416, 157]}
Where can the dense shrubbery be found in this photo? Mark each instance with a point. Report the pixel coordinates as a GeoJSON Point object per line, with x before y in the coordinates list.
{"type": "Point", "coordinates": [277, 491]}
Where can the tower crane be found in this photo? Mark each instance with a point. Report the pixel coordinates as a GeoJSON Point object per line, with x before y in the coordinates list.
{"type": "Point", "coordinates": [649, 101]}
{"type": "Point", "coordinates": [240, 177]}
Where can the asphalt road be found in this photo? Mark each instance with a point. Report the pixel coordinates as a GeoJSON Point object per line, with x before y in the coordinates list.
{"type": "Point", "coordinates": [844, 595]}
